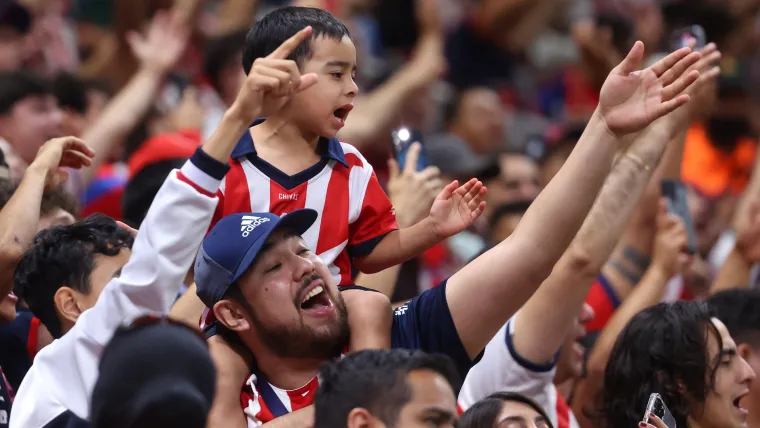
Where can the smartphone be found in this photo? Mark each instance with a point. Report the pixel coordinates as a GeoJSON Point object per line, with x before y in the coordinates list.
{"type": "Point", "coordinates": [680, 38]}
{"type": "Point", "coordinates": [657, 407]}
{"type": "Point", "coordinates": [403, 138]}
{"type": "Point", "coordinates": [676, 194]}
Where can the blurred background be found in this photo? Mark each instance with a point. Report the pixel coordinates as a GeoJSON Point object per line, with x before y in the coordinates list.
{"type": "Point", "coordinates": [498, 89]}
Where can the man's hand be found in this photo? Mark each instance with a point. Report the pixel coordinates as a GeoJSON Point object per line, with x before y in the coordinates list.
{"type": "Point", "coordinates": [273, 80]}
{"type": "Point", "coordinates": [163, 43]}
{"type": "Point", "coordinates": [456, 208]}
{"type": "Point", "coordinates": [670, 243]}
{"type": "Point", "coordinates": [412, 192]}
{"type": "Point", "coordinates": [630, 100]}
{"type": "Point", "coordinates": [748, 238]}
{"type": "Point", "coordinates": [60, 153]}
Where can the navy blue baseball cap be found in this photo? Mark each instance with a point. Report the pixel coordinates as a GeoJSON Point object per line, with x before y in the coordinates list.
{"type": "Point", "coordinates": [233, 245]}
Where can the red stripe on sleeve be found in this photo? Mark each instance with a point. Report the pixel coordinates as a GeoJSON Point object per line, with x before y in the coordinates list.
{"type": "Point", "coordinates": [32, 340]}
{"type": "Point", "coordinates": [200, 189]}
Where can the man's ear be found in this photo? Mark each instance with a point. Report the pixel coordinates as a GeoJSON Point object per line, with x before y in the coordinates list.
{"type": "Point", "coordinates": [232, 315]}
{"type": "Point", "coordinates": [67, 304]}
{"type": "Point", "coordinates": [360, 418]}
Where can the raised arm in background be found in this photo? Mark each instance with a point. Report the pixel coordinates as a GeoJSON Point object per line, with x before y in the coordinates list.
{"type": "Point", "coordinates": [549, 313]}
{"type": "Point", "coordinates": [20, 216]}
{"type": "Point", "coordinates": [483, 295]}
{"type": "Point", "coordinates": [158, 50]}
{"type": "Point", "coordinates": [669, 259]}
{"type": "Point", "coordinates": [376, 112]}
{"type": "Point", "coordinates": [632, 256]}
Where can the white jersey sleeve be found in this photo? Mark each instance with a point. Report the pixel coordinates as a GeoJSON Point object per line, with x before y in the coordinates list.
{"type": "Point", "coordinates": [64, 373]}
{"type": "Point", "coordinates": [503, 369]}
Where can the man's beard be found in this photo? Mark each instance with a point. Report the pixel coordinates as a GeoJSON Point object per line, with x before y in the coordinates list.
{"type": "Point", "coordinates": [302, 341]}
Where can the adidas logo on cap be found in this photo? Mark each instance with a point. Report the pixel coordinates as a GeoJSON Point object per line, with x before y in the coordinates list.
{"type": "Point", "coordinates": [250, 222]}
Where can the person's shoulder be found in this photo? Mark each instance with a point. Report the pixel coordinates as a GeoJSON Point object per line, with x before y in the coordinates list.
{"type": "Point", "coordinates": [353, 156]}
{"type": "Point", "coordinates": [35, 405]}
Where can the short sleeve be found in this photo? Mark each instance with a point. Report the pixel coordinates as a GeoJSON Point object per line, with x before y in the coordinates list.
{"type": "Point", "coordinates": [376, 219]}
{"type": "Point", "coordinates": [425, 323]}
{"type": "Point", "coordinates": [502, 368]}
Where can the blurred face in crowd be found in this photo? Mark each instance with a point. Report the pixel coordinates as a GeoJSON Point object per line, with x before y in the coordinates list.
{"type": "Point", "coordinates": [572, 354]}
{"type": "Point", "coordinates": [30, 123]}
{"type": "Point", "coordinates": [520, 176]}
{"type": "Point", "coordinates": [733, 375]}
{"type": "Point", "coordinates": [504, 227]}
{"type": "Point", "coordinates": [72, 303]}
{"type": "Point", "coordinates": [711, 217]}
{"type": "Point", "coordinates": [751, 354]}
{"type": "Point", "coordinates": [292, 305]}
{"type": "Point", "coordinates": [323, 108]}
{"type": "Point", "coordinates": [432, 403]}
{"type": "Point", "coordinates": [480, 120]}
{"type": "Point", "coordinates": [11, 49]}
{"type": "Point", "coordinates": [515, 414]}
{"type": "Point", "coordinates": [75, 123]}
{"type": "Point", "coordinates": [554, 161]}
{"type": "Point", "coordinates": [231, 78]}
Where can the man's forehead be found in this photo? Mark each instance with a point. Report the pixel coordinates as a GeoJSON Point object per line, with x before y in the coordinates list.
{"type": "Point", "coordinates": [282, 234]}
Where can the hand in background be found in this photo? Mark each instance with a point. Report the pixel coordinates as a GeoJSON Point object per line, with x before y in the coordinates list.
{"type": "Point", "coordinates": [670, 243]}
{"type": "Point", "coordinates": [631, 99]}
{"type": "Point", "coordinates": [163, 43]}
{"type": "Point", "coordinates": [412, 192]}
{"type": "Point", "coordinates": [60, 153]}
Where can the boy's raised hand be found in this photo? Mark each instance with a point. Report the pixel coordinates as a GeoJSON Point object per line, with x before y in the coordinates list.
{"type": "Point", "coordinates": [273, 80]}
{"type": "Point", "coordinates": [457, 207]}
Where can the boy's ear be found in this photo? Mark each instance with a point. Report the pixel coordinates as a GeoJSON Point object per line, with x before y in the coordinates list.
{"type": "Point", "coordinates": [67, 304]}
{"type": "Point", "coordinates": [232, 315]}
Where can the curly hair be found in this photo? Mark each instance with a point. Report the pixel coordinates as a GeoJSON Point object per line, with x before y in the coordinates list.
{"type": "Point", "coordinates": [663, 349]}
{"type": "Point", "coordinates": [65, 256]}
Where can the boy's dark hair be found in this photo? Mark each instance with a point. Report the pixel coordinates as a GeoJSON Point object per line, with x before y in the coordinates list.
{"type": "Point", "coordinates": [52, 199]}
{"type": "Point", "coordinates": [71, 91]}
{"type": "Point", "coordinates": [18, 85]}
{"type": "Point", "coordinates": [738, 310]}
{"type": "Point", "coordinates": [374, 380]}
{"type": "Point", "coordinates": [484, 412]}
{"type": "Point", "coordinates": [220, 53]}
{"type": "Point", "coordinates": [663, 349]}
{"type": "Point", "coordinates": [64, 256]}
{"type": "Point", "coordinates": [281, 24]}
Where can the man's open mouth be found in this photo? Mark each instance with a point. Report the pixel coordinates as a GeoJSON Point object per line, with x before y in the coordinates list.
{"type": "Point", "coordinates": [316, 298]}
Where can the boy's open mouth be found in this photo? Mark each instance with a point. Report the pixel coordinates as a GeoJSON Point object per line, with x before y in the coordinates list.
{"type": "Point", "coordinates": [342, 112]}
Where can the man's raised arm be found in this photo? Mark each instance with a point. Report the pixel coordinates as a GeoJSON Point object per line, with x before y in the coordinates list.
{"type": "Point", "coordinates": [485, 293]}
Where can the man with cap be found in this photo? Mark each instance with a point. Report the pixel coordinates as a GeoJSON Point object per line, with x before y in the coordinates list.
{"type": "Point", "coordinates": [15, 22]}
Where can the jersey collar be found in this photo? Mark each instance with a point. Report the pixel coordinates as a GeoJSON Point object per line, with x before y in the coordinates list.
{"type": "Point", "coordinates": [245, 146]}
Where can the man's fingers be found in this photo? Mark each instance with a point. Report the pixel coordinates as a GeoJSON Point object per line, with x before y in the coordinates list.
{"type": "Point", "coordinates": [429, 173]}
{"type": "Point", "coordinates": [448, 190]}
{"type": "Point", "coordinates": [665, 64]}
{"type": "Point", "coordinates": [679, 68]}
{"type": "Point", "coordinates": [669, 106]}
{"type": "Point", "coordinates": [680, 85]}
{"type": "Point", "coordinates": [76, 144]}
{"type": "Point", "coordinates": [632, 60]}
{"type": "Point", "coordinates": [126, 227]}
{"type": "Point", "coordinates": [287, 47]}
{"type": "Point", "coordinates": [393, 169]}
{"type": "Point", "coordinates": [466, 187]}
{"type": "Point", "coordinates": [412, 156]}
{"type": "Point", "coordinates": [75, 159]}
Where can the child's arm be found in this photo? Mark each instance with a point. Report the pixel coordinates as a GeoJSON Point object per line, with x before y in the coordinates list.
{"type": "Point", "coordinates": [454, 210]}
{"type": "Point", "coordinates": [232, 368]}
{"type": "Point", "coordinates": [369, 318]}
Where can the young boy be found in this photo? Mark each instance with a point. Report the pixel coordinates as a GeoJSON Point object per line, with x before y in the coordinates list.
{"type": "Point", "coordinates": [292, 160]}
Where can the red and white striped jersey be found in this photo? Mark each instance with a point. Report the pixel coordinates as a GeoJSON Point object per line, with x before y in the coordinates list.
{"type": "Point", "coordinates": [502, 369]}
{"type": "Point", "coordinates": [354, 211]}
{"type": "Point", "coordinates": [255, 406]}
